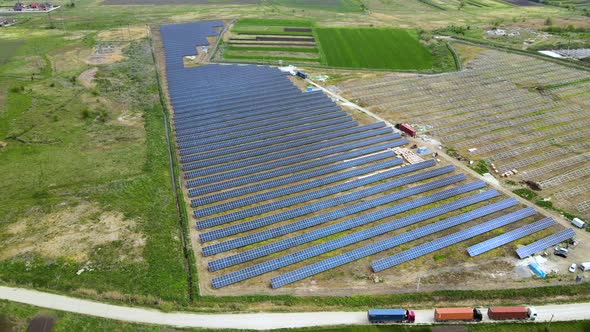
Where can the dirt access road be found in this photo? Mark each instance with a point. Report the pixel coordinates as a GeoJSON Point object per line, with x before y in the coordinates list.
{"type": "Point", "coordinates": [255, 321]}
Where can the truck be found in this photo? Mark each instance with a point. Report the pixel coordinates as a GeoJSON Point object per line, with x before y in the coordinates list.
{"type": "Point", "coordinates": [391, 316]}
{"type": "Point", "coordinates": [585, 266]}
{"type": "Point", "coordinates": [503, 313]}
{"type": "Point", "coordinates": [578, 223]}
{"type": "Point", "coordinates": [301, 74]}
{"type": "Point", "coordinates": [457, 314]}
{"type": "Point", "coordinates": [406, 128]}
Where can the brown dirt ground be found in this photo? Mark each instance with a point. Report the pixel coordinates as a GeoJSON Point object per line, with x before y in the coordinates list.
{"type": "Point", "coordinates": [123, 34]}
{"type": "Point", "coordinates": [106, 58]}
{"type": "Point", "coordinates": [87, 76]}
{"type": "Point", "coordinates": [71, 232]}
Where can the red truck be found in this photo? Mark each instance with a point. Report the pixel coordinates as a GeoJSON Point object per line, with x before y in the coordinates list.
{"type": "Point", "coordinates": [503, 313]}
{"type": "Point", "coordinates": [457, 314]}
{"type": "Point", "coordinates": [406, 128]}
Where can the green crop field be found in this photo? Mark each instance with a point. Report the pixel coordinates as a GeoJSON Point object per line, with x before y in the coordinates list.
{"type": "Point", "coordinates": [373, 48]}
{"type": "Point", "coordinates": [337, 5]}
{"type": "Point", "coordinates": [7, 49]}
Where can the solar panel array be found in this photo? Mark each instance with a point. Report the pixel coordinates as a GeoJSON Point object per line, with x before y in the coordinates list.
{"type": "Point", "coordinates": [545, 243]}
{"type": "Point", "coordinates": [511, 236]}
{"type": "Point", "coordinates": [392, 242]}
{"type": "Point", "coordinates": [448, 240]}
{"type": "Point", "coordinates": [270, 169]}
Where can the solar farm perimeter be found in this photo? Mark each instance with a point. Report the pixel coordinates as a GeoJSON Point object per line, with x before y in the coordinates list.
{"type": "Point", "coordinates": [290, 194]}
{"type": "Point", "coordinates": [517, 112]}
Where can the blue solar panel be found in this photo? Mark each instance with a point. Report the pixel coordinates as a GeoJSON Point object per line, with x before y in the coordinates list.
{"type": "Point", "coordinates": [511, 236]}
{"type": "Point", "coordinates": [403, 238]}
{"type": "Point", "coordinates": [265, 185]}
{"type": "Point", "coordinates": [323, 193]}
{"type": "Point", "coordinates": [346, 225]}
{"type": "Point", "coordinates": [314, 207]}
{"type": "Point", "coordinates": [262, 130]}
{"type": "Point", "coordinates": [545, 243]}
{"type": "Point", "coordinates": [446, 241]}
{"type": "Point", "coordinates": [283, 150]}
{"type": "Point", "coordinates": [252, 122]}
{"type": "Point", "coordinates": [310, 102]}
{"type": "Point", "coordinates": [243, 138]}
{"type": "Point", "coordinates": [271, 169]}
{"type": "Point", "coordinates": [277, 144]}
{"type": "Point", "coordinates": [296, 139]}
{"type": "Point", "coordinates": [322, 248]}
{"type": "Point", "coordinates": [253, 165]}
{"type": "Point", "coordinates": [318, 182]}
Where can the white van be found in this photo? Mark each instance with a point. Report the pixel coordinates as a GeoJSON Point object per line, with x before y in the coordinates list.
{"type": "Point", "coordinates": [578, 222]}
{"type": "Point", "coordinates": [585, 266]}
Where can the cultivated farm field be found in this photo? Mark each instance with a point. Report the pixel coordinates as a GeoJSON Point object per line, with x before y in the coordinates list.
{"type": "Point", "coordinates": [270, 40]}
{"type": "Point", "coordinates": [373, 48]}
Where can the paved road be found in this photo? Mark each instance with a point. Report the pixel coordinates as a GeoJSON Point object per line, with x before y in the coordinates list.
{"type": "Point", "coordinates": [255, 321]}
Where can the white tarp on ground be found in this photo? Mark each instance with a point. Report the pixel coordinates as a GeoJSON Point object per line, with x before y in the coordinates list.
{"type": "Point", "coordinates": [551, 54]}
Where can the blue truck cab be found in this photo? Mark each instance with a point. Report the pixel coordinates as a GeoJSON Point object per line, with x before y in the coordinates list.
{"type": "Point", "coordinates": [391, 316]}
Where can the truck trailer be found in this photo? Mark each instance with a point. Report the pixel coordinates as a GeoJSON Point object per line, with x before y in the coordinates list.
{"type": "Point", "coordinates": [457, 314]}
{"type": "Point", "coordinates": [391, 316]}
{"type": "Point", "coordinates": [503, 313]}
{"type": "Point", "coordinates": [406, 128]}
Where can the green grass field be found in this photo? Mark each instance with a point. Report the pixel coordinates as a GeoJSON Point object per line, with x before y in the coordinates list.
{"type": "Point", "coordinates": [373, 48]}
{"type": "Point", "coordinates": [332, 5]}
{"type": "Point", "coordinates": [79, 157]}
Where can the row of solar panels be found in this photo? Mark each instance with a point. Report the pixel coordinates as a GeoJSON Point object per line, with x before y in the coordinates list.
{"type": "Point", "coordinates": [257, 152]}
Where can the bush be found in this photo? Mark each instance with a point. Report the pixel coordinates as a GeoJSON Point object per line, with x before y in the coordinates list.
{"type": "Point", "coordinates": [85, 113]}
{"type": "Point", "coordinates": [17, 89]}
{"type": "Point", "coordinates": [548, 21]}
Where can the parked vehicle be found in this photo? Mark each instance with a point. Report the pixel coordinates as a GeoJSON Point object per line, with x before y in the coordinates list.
{"type": "Point", "coordinates": [406, 128]}
{"type": "Point", "coordinates": [585, 266]}
{"type": "Point", "coordinates": [573, 267]}
{"type": "Point", "coordinates": [391, 316]}
{"type": "Point", "coordinates": [578, 223]}
{"type": "Point", "coordinates": [457, 314]}
{"type": "Point", "coordinates": [560, 254]}
{"type": "Point", "coordinates": [301, 74]}
{"type": "Point", "coordinates": [502, 313]}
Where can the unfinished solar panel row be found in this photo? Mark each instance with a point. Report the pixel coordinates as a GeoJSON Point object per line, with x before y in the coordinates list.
{"type": "Point", "coordinates": [330, 245]}
{"type": "Point", "coordinates": [403, 238]}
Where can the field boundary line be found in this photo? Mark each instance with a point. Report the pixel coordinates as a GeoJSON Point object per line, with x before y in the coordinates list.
{"type": "Point", "coordinates": [180, 209]}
